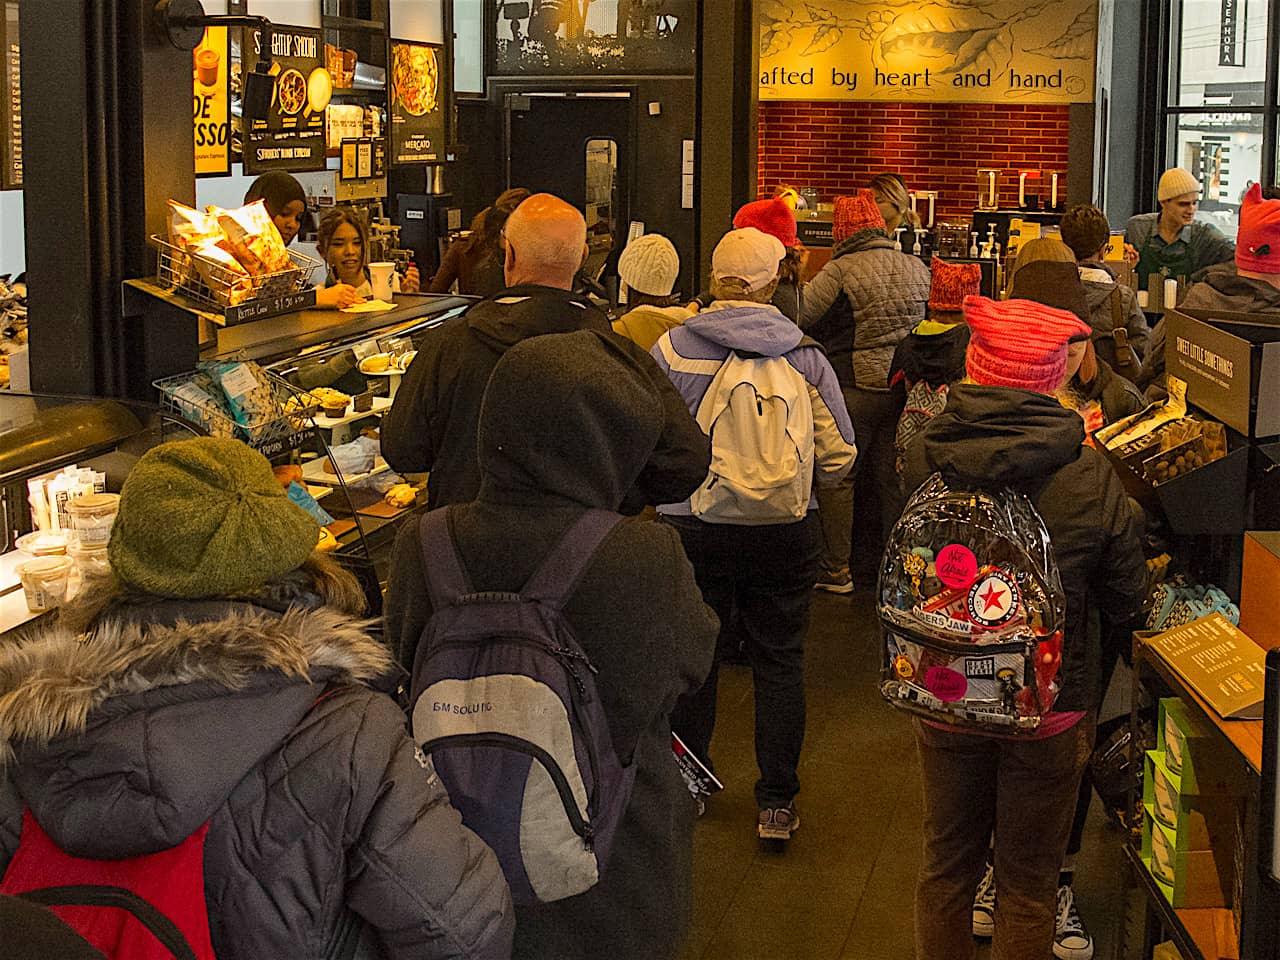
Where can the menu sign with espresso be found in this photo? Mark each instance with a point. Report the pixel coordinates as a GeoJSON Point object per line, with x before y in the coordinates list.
{"type": "Point", "coordinates": [11, 173]}
{"type": "Point", "coordinates": [212, 103]}
{"type": "Point", "coordinates": [293, 135]}
{"type": "Point", "coordinates": [418, 82]}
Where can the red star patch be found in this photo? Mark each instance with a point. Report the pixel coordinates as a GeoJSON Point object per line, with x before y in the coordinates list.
{"type": "Point", "coordinates": [994, 597]}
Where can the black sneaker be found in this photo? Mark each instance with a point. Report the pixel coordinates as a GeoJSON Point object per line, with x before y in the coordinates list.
{"type": "Point", "coordinates": [984, 905]}
{"type": "Point", "coordinates": [1071, 941]}
{"type": "Point", "coordinates": [777, 823]}
{"type": "Point", "coordinates": [839, 582]}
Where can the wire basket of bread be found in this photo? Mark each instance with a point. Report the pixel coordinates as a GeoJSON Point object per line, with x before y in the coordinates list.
{"type": "Point", "coordinates": [238, 399]}
{"type": "Point", "coordinates": [224, 258]}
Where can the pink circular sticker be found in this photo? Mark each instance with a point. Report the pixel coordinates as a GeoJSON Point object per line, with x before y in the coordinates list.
{"type": "Point", "coordinates": [945, 684]}
{"type": "Point", "coordinates": [956, 566]}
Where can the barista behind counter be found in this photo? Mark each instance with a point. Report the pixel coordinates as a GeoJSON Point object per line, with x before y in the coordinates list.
{"type": "Point", "coordinates": [1172, 239]}
{"type": "Point", "coordinates": [343, 241]}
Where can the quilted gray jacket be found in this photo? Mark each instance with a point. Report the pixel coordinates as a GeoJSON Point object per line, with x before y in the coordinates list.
{"type": "Point", "coordinates": [171, 715]}
{"type": "Point", "coordinates": [887, 291]}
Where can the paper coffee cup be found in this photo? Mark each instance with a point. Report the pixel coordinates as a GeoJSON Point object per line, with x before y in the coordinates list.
{"type": "Point", "coordinates": [44, 581]}
{"type": "Point", "coordinates": [380, 278]}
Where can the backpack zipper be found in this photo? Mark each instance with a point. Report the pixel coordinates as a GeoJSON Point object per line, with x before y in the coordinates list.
{"type": "Point", "coordinates": [580, 826]}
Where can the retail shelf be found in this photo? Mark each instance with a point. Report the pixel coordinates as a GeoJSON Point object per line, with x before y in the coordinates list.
{"type": "Point", "coordinates": [1190, 929]}
{"type": "Point", "coordinates": [380, 406]}
{"type": "Point", "coordinates": [313, 472]}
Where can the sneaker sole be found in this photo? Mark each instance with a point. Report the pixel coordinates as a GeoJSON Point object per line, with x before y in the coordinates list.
{"type": "Point", "coordinates": [839, 588]}
{"type": "Point", "coordinates": [772, 833]}
{"type": "Point", "coordinates": [986, 929]}
{"type": "Point", "coordinates": [1073, 953]}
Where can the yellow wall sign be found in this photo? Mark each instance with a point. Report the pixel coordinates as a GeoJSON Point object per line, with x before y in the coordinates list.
{"type": "Point", "coordinates": [955, 51]}
{"type": "Point", "coordinates": [209, 68]}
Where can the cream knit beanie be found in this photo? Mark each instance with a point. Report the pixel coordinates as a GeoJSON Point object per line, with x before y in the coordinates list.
{"type": "Point", "coordinates": [1174, 182]}
{"type": "Point", "coordinates": [650, 265]}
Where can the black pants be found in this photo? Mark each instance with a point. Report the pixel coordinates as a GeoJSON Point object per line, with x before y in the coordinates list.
{"type": "Point", "coordinates": [766, 573]}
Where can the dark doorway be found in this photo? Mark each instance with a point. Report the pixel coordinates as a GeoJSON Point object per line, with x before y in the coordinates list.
{"type": "Point", "coordinates": [577, 146]}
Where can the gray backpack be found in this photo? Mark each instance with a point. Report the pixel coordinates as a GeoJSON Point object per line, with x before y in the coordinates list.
{"type": "Point", "coordinates": [505, 705]}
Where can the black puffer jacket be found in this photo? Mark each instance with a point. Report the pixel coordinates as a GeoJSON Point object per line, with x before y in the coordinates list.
{"type": "Point", "coordinates": [996, 436]}
{"type": "Point", "coordinates": [567, 424]}
{"type": "Point", "coordinates": [175, 714]}
{"type": "Point", "coordinates": [432, 423]}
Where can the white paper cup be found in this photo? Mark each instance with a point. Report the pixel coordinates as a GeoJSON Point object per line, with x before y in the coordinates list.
{"type": "Point", "coordinates": [44, 581]}
{"type": "Point", "coordinates": [380, 277]}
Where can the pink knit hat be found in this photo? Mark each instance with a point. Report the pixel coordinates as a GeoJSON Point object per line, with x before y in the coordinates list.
{"type": "Point", "coordinates": [855, 214]}
{"type": "Point", "coordinates": [1019, 343]}
{"type": "Point", "coordinates": [1258, 239]}
{"type": "Point", "coordinates": [773, 217]}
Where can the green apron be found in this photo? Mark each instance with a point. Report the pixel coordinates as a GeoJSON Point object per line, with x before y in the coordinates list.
{"type": "Point", "coordinates": [1155, 254]}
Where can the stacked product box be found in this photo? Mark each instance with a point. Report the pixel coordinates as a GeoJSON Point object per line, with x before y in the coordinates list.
{"type": "Point", "coordinates": [1191, 799]}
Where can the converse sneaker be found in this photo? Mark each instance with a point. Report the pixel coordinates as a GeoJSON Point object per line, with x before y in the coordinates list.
{"type": "Point", "coordinates": [984, 905]}
{"type": "Point", "coordinates": [777, 823]}
{"type": "Point", "coordinates": [1071, 941]}
{"type": "Point", "coordinates": [838, 582]}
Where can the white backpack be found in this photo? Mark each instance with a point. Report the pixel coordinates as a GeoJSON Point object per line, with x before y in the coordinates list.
{"type": "Point", "coordinates": [758, 415]}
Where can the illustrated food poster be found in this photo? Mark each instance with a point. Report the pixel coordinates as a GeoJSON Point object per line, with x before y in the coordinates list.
{"type": "Point", "coordinates": [962, 51]}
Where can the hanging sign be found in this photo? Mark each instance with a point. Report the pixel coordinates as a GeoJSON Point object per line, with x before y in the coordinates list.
{"type": "Point", "coordinates": [11, 174]}
{"type": "Point", "coordinates": [212, 101]}
{"type": "Point", "coordinates": [1231, 35]}
{"type": "Point", "coordinates": [947, 51]}
{"type": "Point", "coordinates": [293, 135]}
{"type": "Point", "coordinates": [418, 83]}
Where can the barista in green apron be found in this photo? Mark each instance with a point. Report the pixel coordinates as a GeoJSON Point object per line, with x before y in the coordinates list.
{"type": "Point", "coordinates": [1172, 241]}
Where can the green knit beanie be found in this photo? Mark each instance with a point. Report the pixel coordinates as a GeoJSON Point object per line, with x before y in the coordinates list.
{"type": "Point", "coordinates": [206, 518]}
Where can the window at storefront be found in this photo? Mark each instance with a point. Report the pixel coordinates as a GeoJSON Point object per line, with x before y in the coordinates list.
{"type": "Point", "coordinates": [1220, 122]}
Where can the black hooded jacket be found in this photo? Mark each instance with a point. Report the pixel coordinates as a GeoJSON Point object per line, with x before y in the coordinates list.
{"type": "Point", "coordinates": [999, 436]}
{"type": "Point", "coordinates": [431, 426]}
{"type": "Point", "coordinates": [568, 423]}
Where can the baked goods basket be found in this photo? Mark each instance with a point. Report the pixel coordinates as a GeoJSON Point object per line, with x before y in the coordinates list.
{"type": "Point", "coordinates": [271, 415]}
{"type": "Point", "coordinates": [223, 290]}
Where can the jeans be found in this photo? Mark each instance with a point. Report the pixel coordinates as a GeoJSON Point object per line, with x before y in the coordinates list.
{"type": "Point", "coordinates": [874, 425]}
{"type": "Point", "coordinates": [766, 573]}
{"type": "Point", "coordinates": [1026, 791]}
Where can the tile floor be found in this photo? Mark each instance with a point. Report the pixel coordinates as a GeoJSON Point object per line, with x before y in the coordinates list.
{"type": "Point", "coordinates": [843, 889]}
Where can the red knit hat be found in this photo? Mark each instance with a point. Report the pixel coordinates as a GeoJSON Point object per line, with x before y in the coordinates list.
{"type": "Point", "coordinates": [1258, 239]}
{"type": "Point", "coordinates": [773, 217]}
{"type": "Point", "coordinates": [1018, 343]}
{"type": "Point", "coordinates": [950, 283]}
{"type": "Point", "coordinates": [855, 214]}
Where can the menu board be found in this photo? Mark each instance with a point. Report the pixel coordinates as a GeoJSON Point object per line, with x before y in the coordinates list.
{"type": "Point", "coordinates": [11, 174]}
{"type": "Point", "coordinates": [418, 80]}
{"type": "Point", "coordinates": [293, 135]}
{"type": "Point", "coordinates": [212, 101]}
{"type": "Point", "coordinates": [1220, 662]}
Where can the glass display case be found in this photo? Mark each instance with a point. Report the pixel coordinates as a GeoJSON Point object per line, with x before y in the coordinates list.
{"type": "Point", "coordinates": [42, 437]}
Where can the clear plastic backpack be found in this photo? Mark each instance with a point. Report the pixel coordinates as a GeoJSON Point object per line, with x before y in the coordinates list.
{"type": "Point", "coordinates": [973, 610]}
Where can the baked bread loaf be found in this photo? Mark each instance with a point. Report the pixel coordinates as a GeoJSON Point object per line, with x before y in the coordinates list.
{"type": "Point", "coordinates": [287, 474]}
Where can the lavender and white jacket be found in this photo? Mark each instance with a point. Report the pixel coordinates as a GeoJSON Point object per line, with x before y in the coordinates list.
{"type": "Point", "coordinates": [691, 355]}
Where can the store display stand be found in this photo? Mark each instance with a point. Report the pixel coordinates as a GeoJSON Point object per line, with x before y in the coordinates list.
{"type": "Point", "coordinates": [1197, 931]}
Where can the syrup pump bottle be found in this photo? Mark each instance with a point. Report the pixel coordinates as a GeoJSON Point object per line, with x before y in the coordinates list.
{"type": "Point", "coordinates": [897, 237]}
{"type": "Point", "coordinates": [973, 243]}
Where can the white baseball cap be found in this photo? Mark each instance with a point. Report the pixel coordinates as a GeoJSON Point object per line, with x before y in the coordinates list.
{"type": "Point", "coordinates": [747, 255]}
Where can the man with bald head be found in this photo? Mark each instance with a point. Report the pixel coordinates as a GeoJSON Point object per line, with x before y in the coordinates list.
{"type": "Point", "coordinates": [431, 426]}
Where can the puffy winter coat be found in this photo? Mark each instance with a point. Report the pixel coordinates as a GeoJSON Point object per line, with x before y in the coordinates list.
{"type": "Point", "coordinates": [432, 424]}
{"type": "Point", "coordinates": [996, 436]}
{"type": "Point", "coordinates": [887, 292]}
{"type": "Point", "coordinates": [171, 715]}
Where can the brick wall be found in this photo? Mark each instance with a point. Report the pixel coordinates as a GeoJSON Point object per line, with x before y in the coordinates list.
{"type": "Point", "coordinates": [838, 147]}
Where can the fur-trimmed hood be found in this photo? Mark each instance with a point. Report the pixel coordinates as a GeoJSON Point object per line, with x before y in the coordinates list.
{"type": "Point", "coordinates": [129, 737]}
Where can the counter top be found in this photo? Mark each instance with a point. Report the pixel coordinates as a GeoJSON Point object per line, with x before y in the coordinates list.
{"type": "Point", "coordinates": [293, 332]}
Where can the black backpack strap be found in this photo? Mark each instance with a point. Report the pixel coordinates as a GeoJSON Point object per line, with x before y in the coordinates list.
{"type": "Point", "coordinates": [555, 580]}
{"type": "Point", "coordinates": [160, 926]}
{"type": "Point", "coordinates": [441, 566]}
